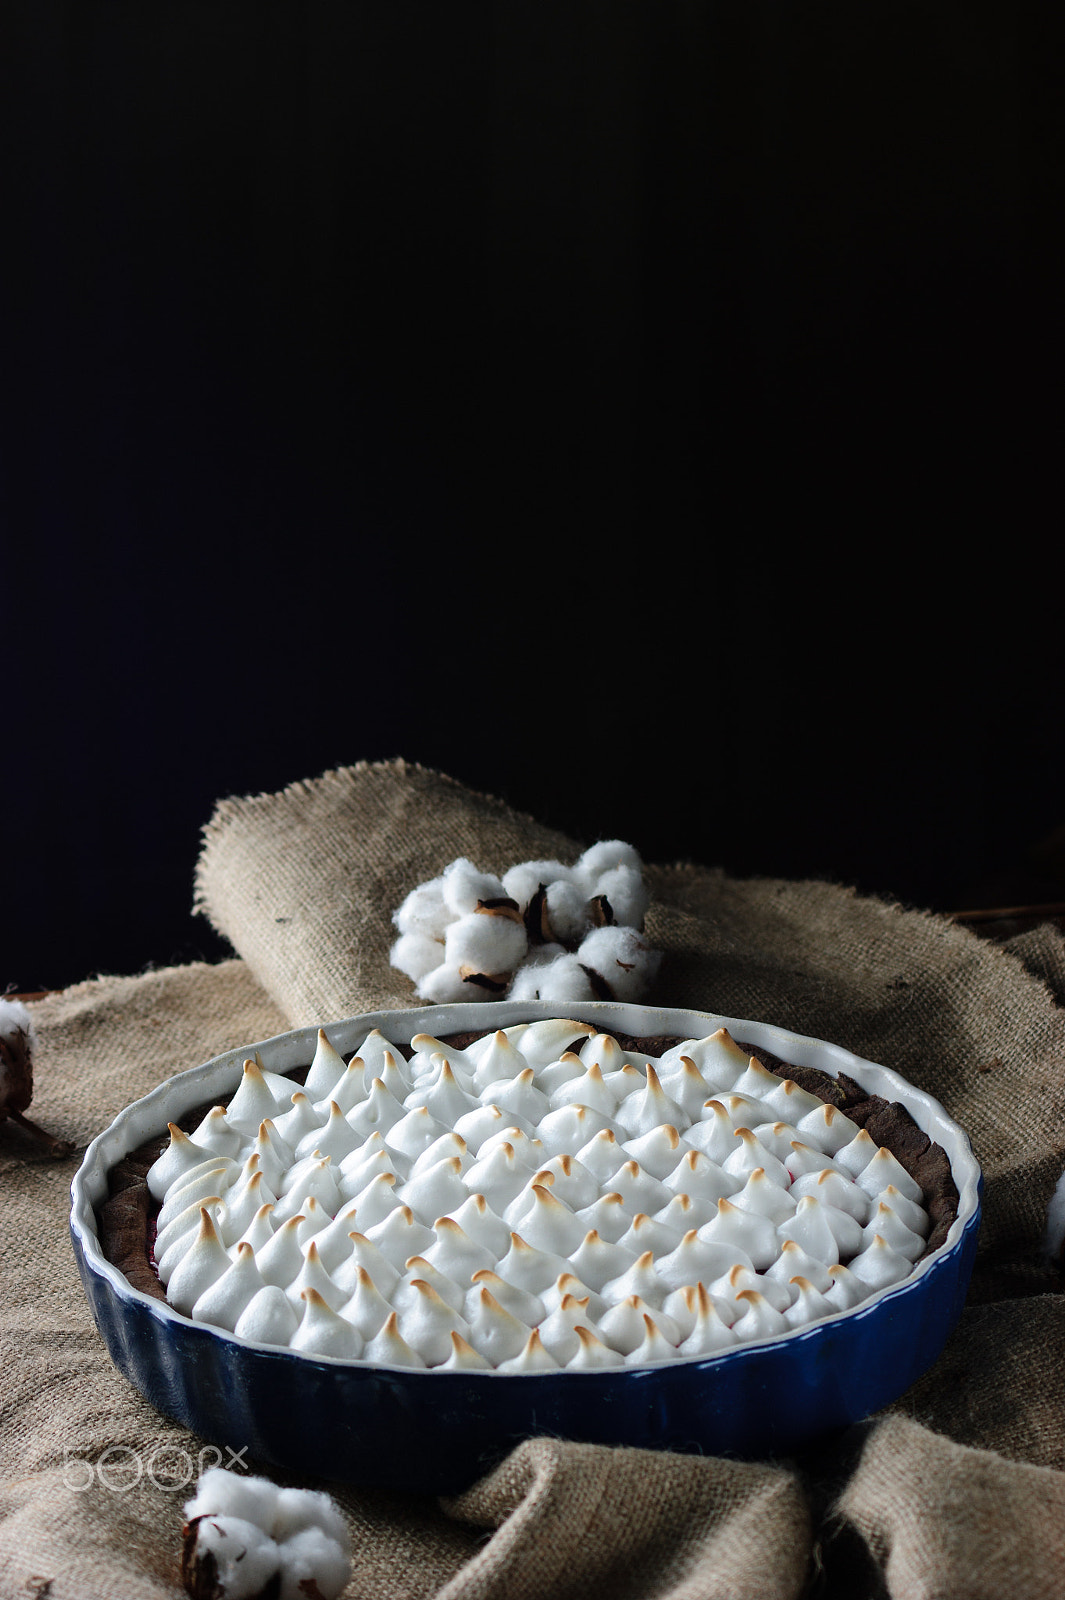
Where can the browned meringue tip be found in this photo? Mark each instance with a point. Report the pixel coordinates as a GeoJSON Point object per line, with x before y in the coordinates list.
{"type": "Point", "coordinates": [568, 1277]}
{"type": "Point", "coordinates": [425, 1041]}
{"type": "Point", "coordinates": [461, 1346]}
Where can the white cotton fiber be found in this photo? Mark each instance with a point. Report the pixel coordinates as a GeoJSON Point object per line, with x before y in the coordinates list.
{"type": "Point", "coordinates": [522, 881]}
{"type": "Point", "coordinates": [564, 979]}
{"type": "Point", "coordinates": [486, 943]}
{"type": "Point", "coordinates": [567, 911]}
{"type": "Point", "coordinates": [445, 985]}
{"type": "Point", "coordinates": [526, 981]}
{"type": "Point", "coordinates": [464, 885]}
{"type": "Point", "coordinates": [604, 856]}
{"type": "Point", "coordinates": [627, 893]}
{"type": "Point", "coordinates": [245, 1558]}
{"type": "Point", "coordinates": [296, 1509]}
{"type": "Point", "coordinates": [15, 1019]}
{"type": "Point", "coordinates": [453, 928]}
{"type": "Point", "coordinates": [229, 1494]}
{"type": "Point", "coordinates": [417, 954]}
{"type": "Point", "coordinates": [424, 910]}
{"type": "Point", "coordinates": [312, 1556]}
{"type": "Point", "coordinates": [622, 958]}
{"type": "Point", "coordinates": [258, 1535]}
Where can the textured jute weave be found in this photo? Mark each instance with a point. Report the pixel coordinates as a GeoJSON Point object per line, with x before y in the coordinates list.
{"type": "Point", "coordinates": [957, 1490]}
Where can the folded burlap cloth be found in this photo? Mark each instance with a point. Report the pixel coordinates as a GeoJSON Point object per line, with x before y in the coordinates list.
{"type": "Point", "coordinates": [957, 1490]}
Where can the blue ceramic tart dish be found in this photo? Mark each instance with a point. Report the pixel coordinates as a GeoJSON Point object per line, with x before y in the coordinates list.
{"type": "Point", "coordinates": [435, 1432]}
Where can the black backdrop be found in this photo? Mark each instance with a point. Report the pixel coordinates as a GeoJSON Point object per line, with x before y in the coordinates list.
{"type": "Point", "coordinates": [647, 412]}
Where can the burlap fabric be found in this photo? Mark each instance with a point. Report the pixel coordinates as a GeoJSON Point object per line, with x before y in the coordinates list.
{"type": "Point", "coordinates": [958, 1490]}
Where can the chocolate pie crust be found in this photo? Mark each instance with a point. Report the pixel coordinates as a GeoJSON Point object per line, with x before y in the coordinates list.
{"type": "Point", "coordinates": [127, 1217]}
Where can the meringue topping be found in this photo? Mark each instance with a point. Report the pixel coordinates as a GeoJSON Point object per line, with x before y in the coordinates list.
{"type": "Point", "coordinates": [540, 1199]}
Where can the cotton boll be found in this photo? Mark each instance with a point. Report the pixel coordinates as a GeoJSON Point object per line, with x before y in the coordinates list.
{"type": "Point", "coordinates": [446, 984]}
{"type": "Point", "coordinates": [18, 1045]}
{"type": "Point", "coordinates": [523, 881]}
{"type": "Point", "coordinates": [229, 1494]}
{"type": "Point", "coordinates": [312, 1563]}
{"type": "Point", "coordinates": [525, 984]}
{"type": "Point", "coordinates": [245, 1537]}
{"type": "Point", "coordinates": [629, 896]}
{"type": "Point", "coordinates": [464, 885]}
{"type": "Point", "coordinates": [568, 914]}
{"type": "Point", "coordinates": [604, 857]}
{"type": "Point", "coordinates": [563, 980]}
{"type": "Point", "coordinates": [424, 910]}
{"type": "Point", "coordinates": [484, 942]}
{"type": "Point", "coordinates": [296, 1509]}
{"type": "Point", "coordinates": [466, 934]}
{"type": "Point", "coordinates": [622, 958]}
{"type": "Point", "coordinates": [18, 1042]}
{"type": "Point", "coordinates": [416, 955]}
{"type": "Point", "coordinates": [228, 1557]}
{"type": "Point", "coordinates": [15, 1019]}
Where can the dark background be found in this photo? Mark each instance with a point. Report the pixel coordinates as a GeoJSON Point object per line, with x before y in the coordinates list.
{"type": "Point", "coordinates": [648, 413]}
